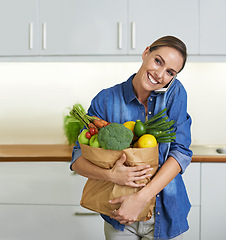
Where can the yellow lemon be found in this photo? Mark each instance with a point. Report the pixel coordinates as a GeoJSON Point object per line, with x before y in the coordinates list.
{"type": "Point", "coordinates": [146, 141]}
{"type": "Point", "coordinates": [129, 125]}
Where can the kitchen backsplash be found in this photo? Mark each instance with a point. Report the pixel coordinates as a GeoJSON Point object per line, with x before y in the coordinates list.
{"type": "Point", "coordinates": [35, 96]}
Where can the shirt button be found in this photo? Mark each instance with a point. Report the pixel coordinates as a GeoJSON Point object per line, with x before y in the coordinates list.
{"type": "Point", "coordinates": [157, 195]}
{"type": "Point", "coordinates": [149, 112]}
{"type": "Point", "coordinates": [150, 99]}
{"type": "Point", "coordinates": [159, 165]}
{"type": "Point", "coordinates": [158, 213]}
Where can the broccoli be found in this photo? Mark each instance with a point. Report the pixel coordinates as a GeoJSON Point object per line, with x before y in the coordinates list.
{"type": "Point", "coordinates": [115, 136]}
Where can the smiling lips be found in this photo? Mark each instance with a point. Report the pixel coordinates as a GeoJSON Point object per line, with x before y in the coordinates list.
{"type": "Point", "coordinates": [151, 79]}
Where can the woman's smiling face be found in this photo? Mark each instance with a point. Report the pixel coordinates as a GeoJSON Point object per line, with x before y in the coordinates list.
{"type": "Point", "coordinates": [159, 67]}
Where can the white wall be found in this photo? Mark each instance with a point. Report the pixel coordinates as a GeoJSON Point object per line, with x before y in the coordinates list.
{"type": "Point", "coordinates": [34, 97]}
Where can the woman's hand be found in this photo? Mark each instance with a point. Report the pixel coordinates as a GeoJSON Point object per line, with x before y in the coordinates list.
{"type": "Point", "coordinates": [131, 206]}
{"type": "Point", "coordinates": [124, 175]}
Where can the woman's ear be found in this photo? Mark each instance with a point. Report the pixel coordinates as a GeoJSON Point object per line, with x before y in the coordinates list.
{"type": "Point", "coordinates": [145, 53]}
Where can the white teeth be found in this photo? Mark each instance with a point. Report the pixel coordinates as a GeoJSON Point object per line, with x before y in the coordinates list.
{"type": "Point", "coordinates": [152, 80]}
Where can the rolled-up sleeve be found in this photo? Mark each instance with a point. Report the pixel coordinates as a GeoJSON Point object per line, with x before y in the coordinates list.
{"type": "Point", "coordinates": [178, 112]}
{"type": "Point", "coordinates": [76, 153]}
{"type": "Point", "coordinates": [182, 159]}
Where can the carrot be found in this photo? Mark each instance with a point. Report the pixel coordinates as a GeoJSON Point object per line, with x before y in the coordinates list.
{"type": "Point", "coordinates": [99, 123]}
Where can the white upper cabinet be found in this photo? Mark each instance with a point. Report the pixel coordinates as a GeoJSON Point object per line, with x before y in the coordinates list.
{"type": "Point", "coordinates": [149, 20]}
{"type": "Point", "coordinates": [75, 27]}
{"type": "Point", "coordinates": [63, 27]}
{"type": "Point", "coordinates": [212, 27]}
{"type": "Point", "coordinates": [18, 26]}
{"type": "Point", "coordinates": [109, 27]}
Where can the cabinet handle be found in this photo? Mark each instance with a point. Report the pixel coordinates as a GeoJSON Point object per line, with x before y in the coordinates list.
{"type": "Point", "coordinates": [44, 35]}
{"type": "Point", "coordinates": [31, 35]}
{"type": "Point", "coordinates": [120, 35]}
{"type": "Point", "coordinates": [86, 213]}
{"type": "Point", "coordinates": [133, 35]}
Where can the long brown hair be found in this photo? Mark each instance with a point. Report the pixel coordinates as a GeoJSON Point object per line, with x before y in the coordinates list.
{"type": "Point", "coordinates": [171, 41]}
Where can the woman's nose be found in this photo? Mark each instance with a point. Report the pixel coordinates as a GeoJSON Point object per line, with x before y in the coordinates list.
{"type": "Point", "coordinates": [159, 72]}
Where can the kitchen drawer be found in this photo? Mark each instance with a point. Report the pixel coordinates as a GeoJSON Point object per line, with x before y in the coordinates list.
{"type": "Point", "coordinates": [39, 183]}
{"type": "Point", "coordinates": [192, 182]}
{"type": "Point", "coordinates": [48, 222]}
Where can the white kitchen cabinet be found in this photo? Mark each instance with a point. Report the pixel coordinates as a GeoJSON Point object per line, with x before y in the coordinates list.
{"type": "Point", "coordinates": [108, 27]}
{"type": "Point", "coordinates": [39, 183]}
{"type": "Point", "coordinates": [47, 222]}
{"type": "Point", "coordinates": [212, 29]}
{"type": "Point", "coordinates": [83, 27]}
{"type": "Point", "coordinates": [194, 224]}
{"type": "Point", "coordinates": [40, 200]}
{"type": "Point", "coordinates": [63, 27]}
{"type": "Point", "coordinates": [149, 20]}
{"type": "Point", "coordinates": [192, 182]}
{"type": "Point", "coordinates": [213, 198]}
{"type": "Point", "coordinates": [18, 25]}
{"type": "Point", "coordinates": [191, 178]}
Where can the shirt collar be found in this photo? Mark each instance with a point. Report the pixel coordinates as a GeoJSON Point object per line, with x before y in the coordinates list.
{"type": "Point", "coordinates": [128, 90]}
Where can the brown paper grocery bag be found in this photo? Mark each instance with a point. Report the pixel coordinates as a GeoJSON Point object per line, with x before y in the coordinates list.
{"type": "Point", "coordinates": [97, 193]}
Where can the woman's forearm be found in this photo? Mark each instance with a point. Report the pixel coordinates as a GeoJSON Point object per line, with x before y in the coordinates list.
{"type": "Point", "coordinates": [120, 174]}
{"type": "Point", "coordinates": [163, 177]}
{"type": "Point", "coordinates": [87, 169]}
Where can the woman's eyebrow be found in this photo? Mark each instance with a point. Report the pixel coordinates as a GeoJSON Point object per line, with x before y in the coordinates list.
{"type": "Point", "coordinates": [164, 63]}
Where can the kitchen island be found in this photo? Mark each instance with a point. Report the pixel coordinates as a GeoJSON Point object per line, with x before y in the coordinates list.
{"type": "Point", "coordinates": [38, 186]}
{"type": "Point", "coordinates": [40, 195]}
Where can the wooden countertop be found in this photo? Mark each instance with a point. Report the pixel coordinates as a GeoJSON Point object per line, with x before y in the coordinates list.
{"type": "Point", "coordinates": [62, 152]}
{"type": "Point", "coordinates": [209, 158]}
{"type": "Point", "coordinates": [55, 152]}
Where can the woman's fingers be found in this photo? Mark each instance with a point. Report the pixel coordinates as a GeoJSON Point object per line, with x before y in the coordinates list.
{"type": "Point", "coordinates": [141, 168]}
{"type": "Point", "coordinates": [129, 176]}
{"type": "Point", "coordinates": [122, 160]}
{"type": "Point", "coordinates": [115, 214]}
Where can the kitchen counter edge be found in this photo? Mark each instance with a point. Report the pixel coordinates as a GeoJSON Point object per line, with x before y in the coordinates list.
{"type": "Point", "coordinates": [63, 152]}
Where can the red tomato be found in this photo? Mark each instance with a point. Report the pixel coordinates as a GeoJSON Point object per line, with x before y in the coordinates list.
{"type": "Point", "coordinates": [92, 131]}
{"type": "Point", "coordinates": [88, 135]}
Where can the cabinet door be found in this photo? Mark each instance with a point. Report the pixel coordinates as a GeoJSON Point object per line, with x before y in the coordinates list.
{"type": "Point", "coordinates": [18, 25]}
{"type": "Point", "coordinates": [193, 232]}
{"type": "Point", "coordinates": [48, 222]}
{"type": "Point", "coordinates": [39, 183]}
{"type": "Point", "coordinates": [192, 182]}
{"type": "Point", "coordinates": [83, 27]}
{"type": "Point", "coordinates": [151, 19]}
{"type": "Point", "coordinates": [192, 179]}
{"type": "Point", "coordinates": [212, 29]}
{"type": "Point", "coordinates": [213, 198]}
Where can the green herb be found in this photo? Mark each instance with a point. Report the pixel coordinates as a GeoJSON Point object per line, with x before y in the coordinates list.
{"type": "Point", "coordinates": [72, 128]}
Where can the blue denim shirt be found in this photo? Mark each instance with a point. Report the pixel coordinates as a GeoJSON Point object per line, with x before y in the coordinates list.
{"type": "Point", "coordinates": [119, 104]}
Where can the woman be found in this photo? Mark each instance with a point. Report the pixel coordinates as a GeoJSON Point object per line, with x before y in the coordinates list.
{"type": "Point", "coordinates": [138, 98]}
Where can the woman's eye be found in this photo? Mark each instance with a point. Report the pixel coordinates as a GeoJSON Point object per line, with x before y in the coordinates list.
{"type": "Point", "coordinates": [170, 73]}
{"type": "Point", "coordinates": [157, 61]}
